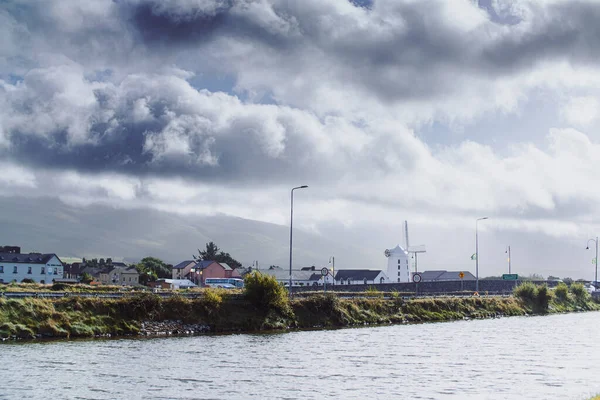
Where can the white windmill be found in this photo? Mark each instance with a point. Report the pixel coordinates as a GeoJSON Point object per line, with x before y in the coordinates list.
{"type": "Point", "coordinates": [398, 268]}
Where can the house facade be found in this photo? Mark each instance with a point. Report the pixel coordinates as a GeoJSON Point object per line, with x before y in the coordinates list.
{"type": "Point", "coordinates": [213, 269]}
{"type": "Point", "coordinates": [123, 276]}
{"type": "Point", "coordinates": [299, 277]}
{"type": "Point", "coordinates": [41, 268]}
{"type": "Point", "coordinates": [360, 277]}
{"type": "Point", "coordinates": [183, 269]}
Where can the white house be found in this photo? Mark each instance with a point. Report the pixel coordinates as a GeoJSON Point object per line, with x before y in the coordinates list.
{"type": "Point", "coordinates": [41, 268]}
{"type": "Point", "coordinates": [398, 265]}
{"type": "Point", "coordinates": [360, 277]}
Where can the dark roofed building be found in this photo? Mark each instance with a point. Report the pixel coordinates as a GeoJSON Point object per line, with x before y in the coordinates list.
{"type": "Point", "coordinates": [443, 275]}
{"type": "Point", "coordinates": [41, 268]}
{"type": "Point", "coordinates": [183, 269]}
{"type": "Point", "coordinates": [360, 276]}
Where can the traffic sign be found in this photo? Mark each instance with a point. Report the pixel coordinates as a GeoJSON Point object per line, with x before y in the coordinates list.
{"type": "Point", "coordinates": [461, 274]}
{"type": "Point", "coordinates": [510, 277]}
{"type": "Point", "coordinates": [324, 271]}
{"type": "Point", "coordinates": [417, 278]}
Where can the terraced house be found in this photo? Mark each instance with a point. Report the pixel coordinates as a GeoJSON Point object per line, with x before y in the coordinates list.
{"type": "Point", "coordinates": [41, 268]}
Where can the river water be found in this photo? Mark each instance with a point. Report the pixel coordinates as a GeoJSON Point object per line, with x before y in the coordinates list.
{"type": "Point", "coordinates": [553, 357]}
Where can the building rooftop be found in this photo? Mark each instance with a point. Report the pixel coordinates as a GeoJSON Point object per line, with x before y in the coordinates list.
{"type": "Point", "coordinates": [357, 274]}
{"type": "Point", "coordinates": [32, 258]}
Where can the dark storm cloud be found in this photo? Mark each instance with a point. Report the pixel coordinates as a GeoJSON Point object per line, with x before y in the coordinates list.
{"type": "Point", "coordinates": [154, 125]}
{"type": "Point", "coordinates": [158, 25]}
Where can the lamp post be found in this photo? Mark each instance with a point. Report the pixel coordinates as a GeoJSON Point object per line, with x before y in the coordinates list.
{"type": "Point", "coordinates": [587, 247]}
{"type": "Point", "coordinates": [332, 262]}
{"type": "Point", "coordinates": [508, 252]}
{"type": "Point", "coordinates": [291, 226]}
{"type": "Point", "coordinates": [477, 253]}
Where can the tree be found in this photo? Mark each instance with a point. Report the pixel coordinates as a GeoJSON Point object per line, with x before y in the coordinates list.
{"type": "Point", "coordinates": [553, 278]}
{"type": "Point", "coordinates": [568, 281]}
{"type": "Point", "coordinates": [86, 278]}
{"type": "Point", "coordinates": [153, 267]}
{"type": "Point", "coordinates": [213, 253]}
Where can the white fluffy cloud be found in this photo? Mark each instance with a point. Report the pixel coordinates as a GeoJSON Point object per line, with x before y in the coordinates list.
{"type": "Point", "coordinates": [216, 106]}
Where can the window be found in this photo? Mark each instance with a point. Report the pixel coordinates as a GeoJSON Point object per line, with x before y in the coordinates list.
{"type": "Point", "coordinates": [29, 270]}
{"type": "Point", "coordinates": [43, 271]}
{"type": "Point", "coordinates": [15, 269]}
{"type": "Point", "coordinates": [1, 269]}
{"type": "Point", "coordinates": [398, 262]}
{"type": "Point", "coordinates": [365, 281]}
{"type": "Point", "coordinates": [398, 273]}
{"type": "Point", "coordinates": [398, 279]}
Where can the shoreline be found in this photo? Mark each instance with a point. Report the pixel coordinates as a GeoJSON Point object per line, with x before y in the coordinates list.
{"type": "Point", "coordinates": [147, 315]}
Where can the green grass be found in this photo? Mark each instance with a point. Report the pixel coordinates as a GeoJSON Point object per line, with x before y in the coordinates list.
{"type": "Point", "coordinates": [266, 310]}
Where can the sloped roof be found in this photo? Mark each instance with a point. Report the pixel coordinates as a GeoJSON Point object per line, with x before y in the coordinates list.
{"type": "Point", "coordinates": [226, 267]}
{"type": "Point", "coordinates": [183, 264]}
{"type": "Point", "coordinates": [205, 263]}
{"type": "Point", "coordinates": [283, 275]}
{"type": "Point", "coordinates": [179, 282]}
{"type": "Point", "coordinates": [398, 250]}
{"type": "Point", "coordinates": [32, 258]}
{"type": "Point", "coordinates": [357, 274]}
{"type": "Point", "coordinates": [443, 275]}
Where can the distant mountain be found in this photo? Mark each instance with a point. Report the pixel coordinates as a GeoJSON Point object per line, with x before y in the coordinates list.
{"type": "Point", "coordinates": [48, 225]}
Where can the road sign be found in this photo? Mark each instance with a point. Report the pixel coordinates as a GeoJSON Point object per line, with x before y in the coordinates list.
{"type": "Point", "coordinates": [417, 278]}
{"type": "Point", "coordinates": [324, 271]}
{"type": "Point", "coordinates": [461, 274]}
{"type": "Point", "coordinates": [510, 277]}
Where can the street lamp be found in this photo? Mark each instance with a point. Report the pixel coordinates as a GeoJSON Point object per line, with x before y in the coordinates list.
{"type": "Point", "coordinates": [477, 254]}
{"type": "Point", "coordinates": [508, 252]}
{"type": "Point", "coordinates": [587, 247]}
{"type": "Point", "coordinates": [291, 225]}
{"type": "Point", "coordinates": [332, 262]}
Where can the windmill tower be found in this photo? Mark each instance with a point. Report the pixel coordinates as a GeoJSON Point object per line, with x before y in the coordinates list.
{"type": "Point", "coordinates": [398, 265]}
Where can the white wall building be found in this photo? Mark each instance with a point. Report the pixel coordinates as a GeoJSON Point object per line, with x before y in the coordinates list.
{"type": "Point", "coordinates": [398, 265]}
{"type": "Point", "coordinates": [360, 277]}
{"type": "Point", "coordinates": [41, 268]}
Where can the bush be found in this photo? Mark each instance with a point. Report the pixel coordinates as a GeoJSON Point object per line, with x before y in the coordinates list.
{"type": "Point", "coordinates": [59, 286]}
{"type": "Point", "coordinates": [579, 292]}
{"type": "Point", "coordinates": [27, 280]}
{"type": "Point", "coordinates": [263, 291]}
{"type": "Point", "coordinates": [213, 297]}
{"type": "Point", "coordinates": [562, 292]}
{"type": "Point", "coordinates": [527, 292]}
{"type": "Point", "coordinates": [543, 297]}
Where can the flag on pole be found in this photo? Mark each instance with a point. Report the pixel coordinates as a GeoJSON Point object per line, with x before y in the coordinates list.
{"type": "Point", "coordinates": [474, 256]}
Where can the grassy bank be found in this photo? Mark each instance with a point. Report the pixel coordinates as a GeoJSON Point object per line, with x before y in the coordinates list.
{"type": "Point", "coordinates": [264, 306]}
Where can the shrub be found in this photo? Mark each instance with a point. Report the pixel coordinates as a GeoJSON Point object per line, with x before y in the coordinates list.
{"type": "Point", "coordinates": [213, 297]}
{"type": "Point", "coordinates": [579, 292]}
{"type": "Point", "coordinates": [527, 292]}
{"type": "Point", "coordinates": [373, 292]}
{"type": "Point", "coordinates": [561, 292]}
{"type": "Point", "coordinates": [263, 291]}
{"type": "Point", "coordinates": [27, 280]}
{"type": "Point", "coordinates": [59, 286]}
{"type": "Point", "coordinates": [543, 297]}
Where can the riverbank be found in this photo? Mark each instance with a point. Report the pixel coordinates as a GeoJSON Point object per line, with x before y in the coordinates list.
{"type": "Point", "coordinates": [217, 311]}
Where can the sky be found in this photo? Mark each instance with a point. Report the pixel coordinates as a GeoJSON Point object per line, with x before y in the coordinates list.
{"type": "Point", "coordinates": [438, 112]}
